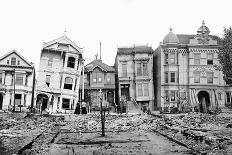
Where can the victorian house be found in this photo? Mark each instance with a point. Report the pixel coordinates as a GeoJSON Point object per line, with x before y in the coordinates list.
{"type": "Point", "coordinates": [186, 71]}
{"type": "Point", "coordinates": [134, 72]}
{"type": "Point", "coordinates": [16, 80]}
{"type": "Point", "coordinates": [59, 73]}
{"type": "Point", "coordinates": [98, 76]}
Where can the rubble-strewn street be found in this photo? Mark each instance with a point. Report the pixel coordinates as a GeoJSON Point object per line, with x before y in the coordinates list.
{"type": "Point", "coordinates": [192, 133]}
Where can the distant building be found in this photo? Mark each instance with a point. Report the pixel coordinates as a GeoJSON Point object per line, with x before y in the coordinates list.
{"type": "Point", "coordinates": [134, 72]}
{"type": "Point", "coordinates": [186, 71]}
{"type": "Point", "coordinates": [98, 76]}
{"type": "Point", "coordinates": [59, 75]}
{"type": "Point", "coordinates": [16, 78]}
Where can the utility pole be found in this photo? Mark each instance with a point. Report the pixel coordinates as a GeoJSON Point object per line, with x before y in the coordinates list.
{"type": "Point", "coordinates": [33, 90]}
{"type": "Point", "coordinates": [14, 89]}
{"type": "Point", "coordinates": [100, 50]}
{"type": "Point", "coordinates": [102, 115]}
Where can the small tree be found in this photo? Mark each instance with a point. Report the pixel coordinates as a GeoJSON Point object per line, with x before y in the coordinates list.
{"type": "Point", "coordinates": [225, 55]}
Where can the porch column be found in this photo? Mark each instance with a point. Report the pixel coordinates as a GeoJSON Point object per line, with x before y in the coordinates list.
{"type": "Point", "coordinates": [60, 105]}
{"type": "Point", "coordinates": [22, 99]}
{"type": "Point", "coordinates": [66, 61]}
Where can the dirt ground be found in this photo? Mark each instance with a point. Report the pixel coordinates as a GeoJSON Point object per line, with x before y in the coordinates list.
{"type": "Point", "coordinates": [178, 134]}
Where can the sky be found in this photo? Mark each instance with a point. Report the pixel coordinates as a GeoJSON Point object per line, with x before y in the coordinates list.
{"type": "Point", "coordinates": [25, 24]}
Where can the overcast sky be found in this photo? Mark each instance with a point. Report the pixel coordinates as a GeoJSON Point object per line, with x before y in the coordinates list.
{"type": "Point", "coordinates": [25, 24]}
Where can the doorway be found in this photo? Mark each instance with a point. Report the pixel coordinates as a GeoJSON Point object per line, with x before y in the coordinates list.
{"type": "Point", "coordinates": [110, 97]}
{"type": "Point", "coordinates": [125, 91]}
{"type": "Point", "coordinates": [1, 101]}
{"type": "Point", "coordinates": [42, 99]}
{"type": "Point", "coordinates": [204, 101]}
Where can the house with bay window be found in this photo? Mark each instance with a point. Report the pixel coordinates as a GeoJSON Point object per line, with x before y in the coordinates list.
{"type": "Point", "coordinates": [16, 79]}
{"type": "Point", "coordinates": [58, 78]}
{"type": "Point", "coordinates": [134, 76]}
{"type": "Point", "coordinates": [98, 76]}
{"type": "Point", "coordinates": [187, 72]}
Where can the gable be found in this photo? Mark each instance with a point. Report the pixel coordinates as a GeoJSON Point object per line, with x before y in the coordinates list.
{"type": "Point", "coordinates": [64, 44]}
{"type": "Point", "coordinates": [14, 57]}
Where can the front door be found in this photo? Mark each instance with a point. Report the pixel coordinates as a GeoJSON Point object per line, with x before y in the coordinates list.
{"type": "Point", "coordinates": [1, 101]}
{"type": "Point", "coordinates": [125, 91]}
{"type": "Point", "coordinates": [110, 97]}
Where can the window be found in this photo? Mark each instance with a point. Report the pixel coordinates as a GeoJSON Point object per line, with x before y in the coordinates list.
{"type": "Point", "coordinates": [166, 58]}
{"type": "Point", "coordinates": [197, 58]}
{"type": "Point", "coordinates": [166, 95]}
{"type": "Point", "coordinates": [142, 69]}
{"type": "Point", "coordinates": [140, 90]}
{"type": "Point", "coordinates": [18, 62]}
{"type": "Point", "coordinates": [47, 80]}
{"type": "Point", "coordinates": [210, 77]}
{"type": "Point", "coordinates": [71, 62]}
{"type": "Point", "coordinates": [19, 79]}
{"type": "Point", "coordinates": [65, 103]}
{"type": "Point", "coordinates": [196, 77]}
{"type": "Point", "coordinates": [8, 62]}
{"type": "Point", "coordinates": [209, 58]}
{"type": "Point", "coordinates": [146, 91]}
{"type": "Point", "coordinates": [139, 69]}
{"type": "Point", "coordinates": [18, 98]}
{"type": "Point", "coordinates": [13, 61]}
{"type": "Point", "coordinates": [172, 94]}
{"type": "Point", "coordinates": [50, 61]}
{"type": "Point", "coordinates": [99, 77]}
{"type": "Point", "coordinates": [173, 77]}
{"type": "Point", "coordinates": [228, 97]}
{"type": "Point", "coordinates": [124, 70]}
{"type": "Point", "coordinates": [172, 58]}
{"type": "Point", "coordinates": [143, 89]}
{"type": "Point", "coordinates": [219, 96]}
{"type": "Point", "coordinates": [94, 77]}
{"type": "Point", "coordinates": [68, 82]}
{"type": "Point", "coordinates": [145, 71]}
{"type": "Point", "coordinates": [108, 79]}
{"type": "Point", "coordinates": [166, 77]}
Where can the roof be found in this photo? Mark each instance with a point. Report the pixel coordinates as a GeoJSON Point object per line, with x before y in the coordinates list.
{"type": "Point", "coordinates": [62, 40]}
{"type": "Point", "coordinates": [14, 51]}
{"type": "Point", "coordinates": [170, 38]}
{"type": "Point", "coordinates": [185, 38]}
{"type": "Point", "coordinates": [98, 63]}
{"type": "Point", "coordinates": [135, 49]}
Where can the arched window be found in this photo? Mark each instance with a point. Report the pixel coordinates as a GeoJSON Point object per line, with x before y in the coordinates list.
{"type": "Point", "coordinates": [71, 62]}
{"type": "Point", "coordinates": [68, 82]}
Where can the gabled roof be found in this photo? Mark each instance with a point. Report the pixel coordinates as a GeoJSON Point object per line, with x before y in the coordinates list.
{"type": "Point", "coordinates": [98, 63]}
{"type": "Point", "coordinates": [62, 40]}
{"type": "Point", "coordinates": [14, 51]}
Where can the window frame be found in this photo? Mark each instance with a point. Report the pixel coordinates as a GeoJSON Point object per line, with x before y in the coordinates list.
{"type": "Point", "coordinates": [210, 78]}
{"type": "Point", "coordinates": [210, 60]}
{"type": "Point", "coordinates": [13, 62]}
{"type": "Point", "coordinates": [68, 85]}
{"type": "Point", "coordinates": [19, 76]}
{"type": "Point", "coordinates": [197, 77]}
{"type": "Point", "coordinates": [197, 58]}
{"type": "Point", "coordinates": [48, 81]}
{"type": "Point", "coordinates": [124, 69]}
{"type": "Point", "coordinates": [71, 63]}
{"type": "Point", "coordinates": [171, 78]}
{"type": "Point", "coordinates": [166, 58]}
{"type": "Point", "coordinates": [166, 78]}
{"type": "Point", "coordinates": [172, 58]}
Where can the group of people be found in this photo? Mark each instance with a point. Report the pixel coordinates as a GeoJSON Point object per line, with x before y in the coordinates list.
{"type": "Point", "coordinates": [81, 108]}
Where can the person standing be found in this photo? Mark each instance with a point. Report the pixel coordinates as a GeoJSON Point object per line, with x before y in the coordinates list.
{"type": "Point", "coordinates": [77, 109]}
{"type": "Point", "coordinates": [83, 108]}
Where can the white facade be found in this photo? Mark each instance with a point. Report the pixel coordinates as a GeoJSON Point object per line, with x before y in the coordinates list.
{"type": "Point", "coordinates": [16, 80]}
{"type": "Point", "coordinates": [187, 71]}
{"type": "Point", "coordinates": [59, 76]}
